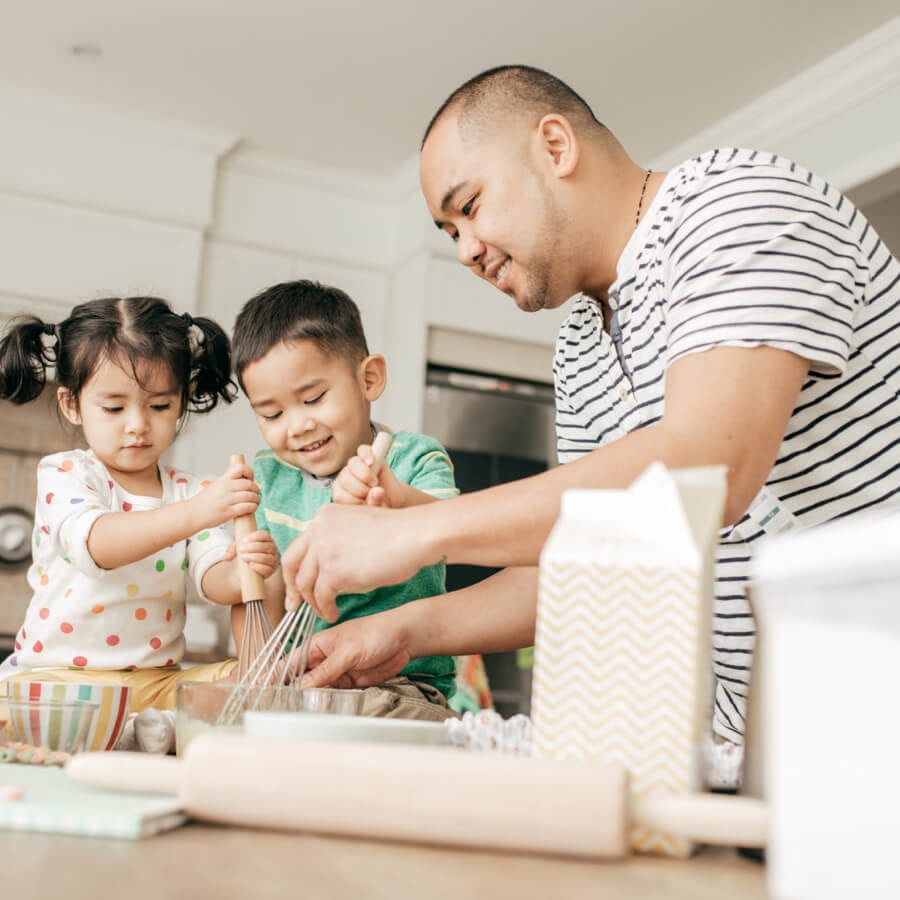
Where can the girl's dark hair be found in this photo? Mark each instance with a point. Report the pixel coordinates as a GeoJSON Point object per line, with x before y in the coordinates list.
{"type": "Point", "coordinates": [129, 331]}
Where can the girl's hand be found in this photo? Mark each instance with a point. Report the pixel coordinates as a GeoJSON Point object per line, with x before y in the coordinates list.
{"type": "Point", "coordinates": [358, 484]}
{"type": "Point", "coordinates": [231, 495]}
{"type": "Point", "coordinates": [258, 551]}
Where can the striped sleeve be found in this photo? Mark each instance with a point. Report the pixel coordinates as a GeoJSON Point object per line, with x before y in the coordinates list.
{"type": "Point", "coordinates": [759, 257]}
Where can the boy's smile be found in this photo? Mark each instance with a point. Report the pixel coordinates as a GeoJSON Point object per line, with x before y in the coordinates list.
{"type": "Point", "coordinates": [311, 406]}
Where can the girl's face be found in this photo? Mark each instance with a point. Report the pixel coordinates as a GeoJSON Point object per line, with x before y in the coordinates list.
{"type": "Point", "coordinates": [127, 424]}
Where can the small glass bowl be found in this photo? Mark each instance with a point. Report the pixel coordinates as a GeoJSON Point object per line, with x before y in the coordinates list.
{"type": "Point", "coordinates": [56, 725]}
{"type": "Point", "coordinates": [199, 706]}
{"type": "Point", "coordinates": [336, 701]}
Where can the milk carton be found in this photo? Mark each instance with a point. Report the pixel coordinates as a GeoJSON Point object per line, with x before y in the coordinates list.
{"type": "Point", "coordinates": [621, 666]}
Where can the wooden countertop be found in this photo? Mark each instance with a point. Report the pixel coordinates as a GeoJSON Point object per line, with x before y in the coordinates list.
{"type": "Point", "coordinates": [201, 861]}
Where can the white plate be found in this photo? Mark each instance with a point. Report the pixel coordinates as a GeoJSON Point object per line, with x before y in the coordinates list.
{"type": "Point", "coordinates": [323, 727]}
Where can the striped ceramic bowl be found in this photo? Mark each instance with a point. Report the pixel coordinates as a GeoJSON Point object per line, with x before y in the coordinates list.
{"type": "Point", "coordinates": [52, 724]}
{"type": "Point", "coordinates": [112, 705]}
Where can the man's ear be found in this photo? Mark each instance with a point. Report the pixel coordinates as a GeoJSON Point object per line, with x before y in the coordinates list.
{"type": "Point", "coordinates": [373, 376]}
{"type": "Point", "coordinates": [69, 405]}
{"type": "Point", "coordinates": [558, 144]}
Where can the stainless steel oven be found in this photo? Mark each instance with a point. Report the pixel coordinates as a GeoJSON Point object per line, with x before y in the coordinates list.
{"type": "Point", "coordinates": [496, 430]}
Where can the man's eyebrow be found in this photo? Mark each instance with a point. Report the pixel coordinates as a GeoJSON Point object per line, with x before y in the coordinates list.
{"type": "Point", "coordinates": [448, 197]}
{"type": "Point", "coordinates": [447, 200]}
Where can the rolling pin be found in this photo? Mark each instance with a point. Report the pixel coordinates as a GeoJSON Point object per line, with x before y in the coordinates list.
{"type": "Point", "coordinates": [432, 795]}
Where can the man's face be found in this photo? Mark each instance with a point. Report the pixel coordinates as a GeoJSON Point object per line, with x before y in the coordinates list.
{"type": "Point", "coordinates": [500, 209]}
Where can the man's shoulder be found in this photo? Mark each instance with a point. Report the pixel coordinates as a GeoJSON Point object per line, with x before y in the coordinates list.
{"type": "Point", "coordinates": [729, 163]}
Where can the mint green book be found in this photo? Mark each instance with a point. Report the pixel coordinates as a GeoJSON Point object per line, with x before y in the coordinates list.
{"type": "Point", "coordinates": [52, 802]}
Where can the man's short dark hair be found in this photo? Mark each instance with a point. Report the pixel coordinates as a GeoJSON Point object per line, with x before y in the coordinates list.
{"type": "Point", "coordinates": [496, 92]}
{"type": "Point", "coordinates": [298, 311]}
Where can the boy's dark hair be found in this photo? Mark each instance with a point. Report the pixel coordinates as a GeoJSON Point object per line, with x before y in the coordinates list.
{"type": "Point", "coordinates": [298, 311]}
{"type": "Point", "coordinates": [492, 95]}
{"type": "Point", "coordinates": [126, 330]}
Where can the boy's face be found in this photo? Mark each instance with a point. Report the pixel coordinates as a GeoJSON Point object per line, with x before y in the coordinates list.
{"type": "Point", "coordinates": [312, 407]}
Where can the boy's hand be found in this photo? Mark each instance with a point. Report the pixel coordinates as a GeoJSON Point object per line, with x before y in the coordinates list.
{"type": "Point", "coordinates": [231, 495]}
{"type": "Point", "coordinates": [358, 484]}
{"type": "Point", "coordinates": [258, 550]}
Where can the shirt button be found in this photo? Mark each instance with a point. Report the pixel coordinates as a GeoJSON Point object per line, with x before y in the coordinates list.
{"type": "Point", "coordinates": [623, 393]}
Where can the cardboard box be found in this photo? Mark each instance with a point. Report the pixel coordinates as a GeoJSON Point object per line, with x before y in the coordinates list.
{"type": "Point", "coordinates": [622, 648]}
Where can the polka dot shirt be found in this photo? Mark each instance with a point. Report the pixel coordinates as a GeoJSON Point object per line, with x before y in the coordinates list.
{"type": "Point", "coordinates": [83, 616]}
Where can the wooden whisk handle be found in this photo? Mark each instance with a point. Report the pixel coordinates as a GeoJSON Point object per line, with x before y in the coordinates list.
{"type": "Point", "coordinates": [253, 586]}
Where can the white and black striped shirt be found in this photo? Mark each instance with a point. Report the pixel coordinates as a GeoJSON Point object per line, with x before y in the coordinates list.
{"type": "Point", "coordinates": [742, 248]}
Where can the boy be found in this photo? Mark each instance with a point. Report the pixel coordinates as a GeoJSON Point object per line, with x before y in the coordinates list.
{"type": "Point", "coordinates": [300, 355]}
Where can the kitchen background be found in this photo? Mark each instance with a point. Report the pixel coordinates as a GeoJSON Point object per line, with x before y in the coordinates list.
{"type": "Point", "coordinates": [201, 152]}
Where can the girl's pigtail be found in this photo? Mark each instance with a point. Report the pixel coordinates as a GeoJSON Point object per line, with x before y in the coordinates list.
{"type": "Point", "coordinates": [24, 359]}
{"type": "Point", "coordinates": [210, 367]}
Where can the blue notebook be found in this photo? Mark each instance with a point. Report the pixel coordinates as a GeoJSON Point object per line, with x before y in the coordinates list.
{"type": "Point", "coordinates": [54, 803]}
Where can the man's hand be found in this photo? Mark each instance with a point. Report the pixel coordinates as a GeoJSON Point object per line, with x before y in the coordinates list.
{"type": "Point", "coordinates": [231, 495]}
{"type": "Point", "coordinates": [358, 653]}
{"type": "Point", "coordinates": [258, 551]}
{"type": "Point", "coordinates": [351, 549]}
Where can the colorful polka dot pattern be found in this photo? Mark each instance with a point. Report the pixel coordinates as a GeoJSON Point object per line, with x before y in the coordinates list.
{"type": "Point", "coordinates": [129, 618]}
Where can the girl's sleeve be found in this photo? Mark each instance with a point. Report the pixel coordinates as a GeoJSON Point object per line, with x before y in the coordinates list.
{"type": "Point", "coordinates": [72, 494]}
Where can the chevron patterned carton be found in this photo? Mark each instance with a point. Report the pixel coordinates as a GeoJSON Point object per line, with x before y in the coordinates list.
{"type": "Point", "coordinates": [621, 665]}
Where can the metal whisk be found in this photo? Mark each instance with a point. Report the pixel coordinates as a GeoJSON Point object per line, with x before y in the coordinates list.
{"type": "Point", "coordinates": [281, 660]}
{"type": "Point", "coordinates": [257, 625]}
{"type": "Point", "coordinates": [280, 663]}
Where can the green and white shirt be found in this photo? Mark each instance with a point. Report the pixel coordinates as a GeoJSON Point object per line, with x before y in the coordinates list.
{"type": "Point", "coordinates": [291, 497]}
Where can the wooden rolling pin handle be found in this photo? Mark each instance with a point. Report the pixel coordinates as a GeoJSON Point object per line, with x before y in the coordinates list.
{"type": "Point", "coordinates": [253, 585]}
{"type": "Point", "coordinates": [706, 818]}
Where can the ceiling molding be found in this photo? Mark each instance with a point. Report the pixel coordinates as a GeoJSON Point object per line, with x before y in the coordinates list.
{"type": "Point", "coordinates": [294, 171]}
{"type": "Point", "coordinates": [36, 104]}
{"type": "Point", "coordinates": [824, 91]}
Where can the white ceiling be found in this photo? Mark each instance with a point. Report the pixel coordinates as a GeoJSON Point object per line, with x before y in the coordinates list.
{"type": "Point", "coordinates": [350, 84]}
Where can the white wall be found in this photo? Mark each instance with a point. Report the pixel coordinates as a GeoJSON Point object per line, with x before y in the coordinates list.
{"type": "Point", "coordinates": [94, 204]}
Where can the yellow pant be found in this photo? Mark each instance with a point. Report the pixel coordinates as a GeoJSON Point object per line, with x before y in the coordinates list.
{"type": "Point", "coordinates": [149, 687]}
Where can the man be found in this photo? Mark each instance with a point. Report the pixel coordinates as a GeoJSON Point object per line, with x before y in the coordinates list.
{"type": "Point", "coordinates": [736, 310]}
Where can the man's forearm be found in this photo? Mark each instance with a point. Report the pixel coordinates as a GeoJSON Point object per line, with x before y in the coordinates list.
{"type": "Point", "coordinates": [508, 525]}
{"type": "Point", "coordinates": [727, 406]}
{"type": "Point", "coordinates": [494, 615]}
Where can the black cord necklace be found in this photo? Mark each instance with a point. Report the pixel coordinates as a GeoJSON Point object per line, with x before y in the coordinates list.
{"type": "Point", "coordinates": [637, 217]}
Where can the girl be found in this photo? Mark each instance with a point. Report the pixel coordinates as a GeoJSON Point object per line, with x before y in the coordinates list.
{"type": "Point", "coordinates": [115, 533]}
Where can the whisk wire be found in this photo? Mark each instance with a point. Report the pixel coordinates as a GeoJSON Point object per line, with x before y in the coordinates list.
{"type": "Point", "coordinates": [270, 667]}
